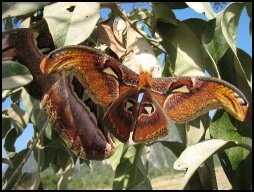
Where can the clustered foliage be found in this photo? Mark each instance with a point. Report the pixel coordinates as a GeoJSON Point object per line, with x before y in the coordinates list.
{"type": "Point", "coordinates": [185, 47]}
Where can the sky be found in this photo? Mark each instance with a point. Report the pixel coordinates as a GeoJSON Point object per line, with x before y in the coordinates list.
{"type": "Point", "coordinates": [243, 42]}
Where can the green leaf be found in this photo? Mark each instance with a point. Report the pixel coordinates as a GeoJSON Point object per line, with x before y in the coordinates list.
{"type": "Point", "coordinates": [174, 140]}
{"type": "Point", "coordinates": [249, 12]}
{"type": "Point", "coordinates": [16, 95]}
{"type": "Point", "coordinates": [11, 154]}
{"type": "Point", "coordinates": [167, 70]}
{"type": "Point", "coordinates": [10, 9]}
{"type": "Point", "coordinates": [246, 62]}
{"type": "Point", "coordinates": [68, 26]}
{"type": "Point", "coordinates": [131, 173]}
{"type": "Point", "coordinates": [194, 156]}
{"type": "Point", "coordinates": [115, 159]}
{"type": "Point", "coordinates": [6, 124]}
{"type": "Point", "coordinates": [162, 154]}
{"type": "Point", "coordinates": [19, 118]}
{"type": "Point", "coordinates": [18, 158]}
{"type": "Point", "coordinates": [195, 129]}
{"type": "Point", "coordinates": [184, 49]}
{"type": "Point", "coordinates": [52, 153]}
{"type": "Point", "coordinates": [10, 140]}
{"type": "Point", "coordinates": [49, 131]}
{"type": "Point", "coordinates": [14, 75]}
{"type": "Point", "coordinates": [66, 176]}
{"type": "Point", "coordinates": [198, 26]}
{"type": "Point", "coordinates": [28, 181]}
{"type": "Point", "coordinates": [202, 7]}
{"type": "Point", "coordinates": [214, 43]}
{"type": "Point", "coordinates": [235, 161]}
{"type": "Point", "coordinates": [62, 159]}
{"type": "Point", "coordinates": [207, 175]}
{"type": "Point", "coordinates": [231, 71]}
{"type": "Point", "coordinates": [139, 14]}
{"type": "Point", "coordinates": [175, 147]}
{"type": "Point", "coordinates": [202, 30]}
{"type": "Point", "coordinates": [32, 106]}
{"type": "Point", "coordinates": [7, 162]}
{"type": "Point", "coordinates": [7, 23]}
{"type": "Point", "coordinates": [229, 25]}
{"type": "Point", "coordinates": [163, 14]}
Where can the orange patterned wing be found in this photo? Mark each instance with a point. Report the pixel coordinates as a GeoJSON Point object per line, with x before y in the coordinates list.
{"type": "Point", "coordinates": [151, 122]}
{"type": "Point", "coordinates": [185, 98]}
{"type": "Point", "coordinates": [99, 73]}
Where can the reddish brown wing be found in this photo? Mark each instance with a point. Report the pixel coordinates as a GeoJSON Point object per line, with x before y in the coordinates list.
{"type": "Point", "coordinates": [75, 122]}
{"type": "Point", "coordinates": [185, 98]}
{"type": "Point", "coordinates": [121, 114]}
{"type": "Point", "coordinates": [90, 66]}
{"type": "Point", "coordinates": [151, 123]}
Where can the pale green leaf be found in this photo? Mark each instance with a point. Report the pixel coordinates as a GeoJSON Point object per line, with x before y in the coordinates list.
{"type": "Point", "coordinates": [14, 75]}
{"type": "Point", "coordinates": [194, 156]}
{"type": "Point", "coordinates": [10, 9]}
{"type": "Point", "coordinates": [16, 81]}
{"type": "Point", "coordinates": [185, 53]}
{"type": "Point", "coordinates": [202, 7]}
{"type": "Point", "coordinates": [48, 131]}
{"type": "Point", "coordinates": [200, 29]}
{"type": "Point", "coordinates": [115, 159]}
{"type": "Point", "coordinates": [164, 14]}
{"type": "Point", "coordinates": [71, 23]}
{"type": "Point", "coordinates": [195, 129]}
{"type": "Point", "coordinates": [32, 106]}
{"type": "Point", "coordinates": [229, 23]}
